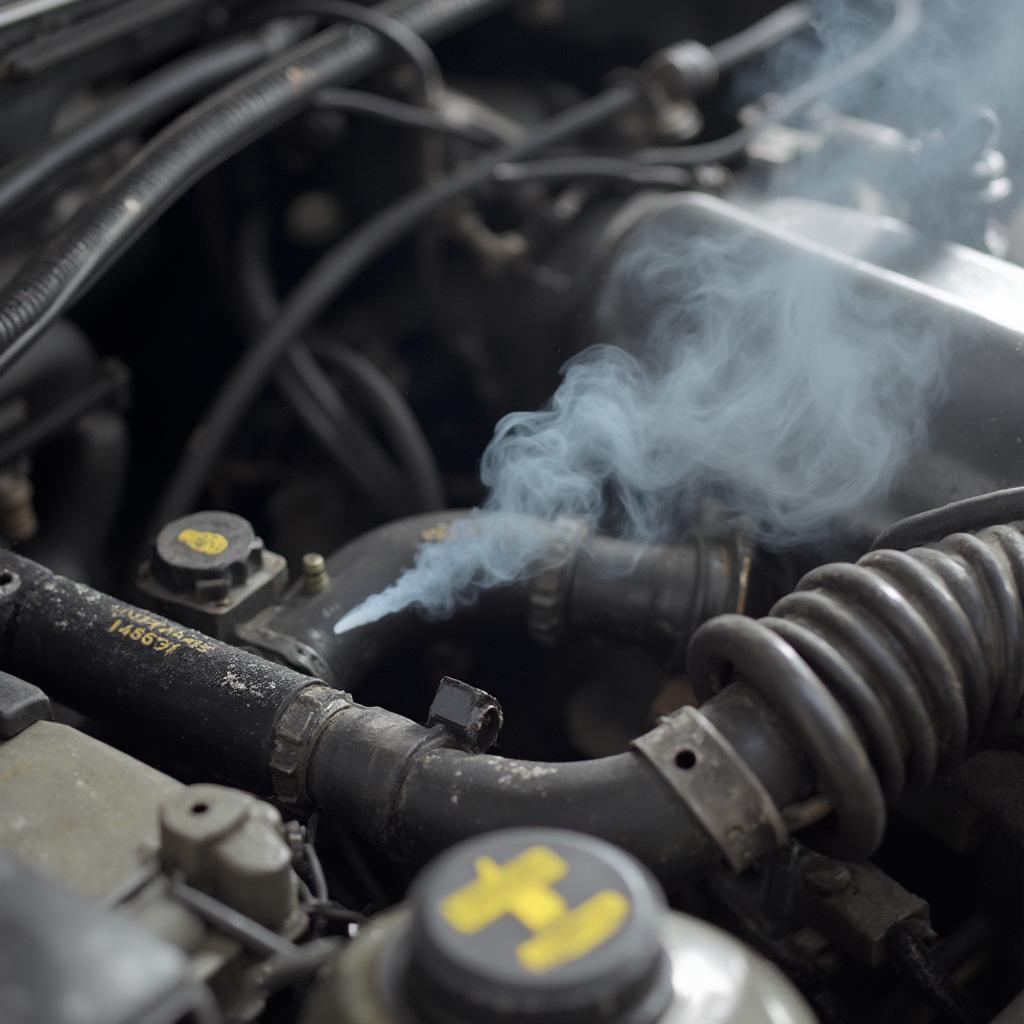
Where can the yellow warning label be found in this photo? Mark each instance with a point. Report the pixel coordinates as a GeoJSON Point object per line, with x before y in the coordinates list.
{"type": "Point", "coordinates": [522, 888]}
{"type": "Point", "coordinates": [206, 542]}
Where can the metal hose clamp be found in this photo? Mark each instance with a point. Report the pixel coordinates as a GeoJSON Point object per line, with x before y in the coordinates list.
{"type": "Point", "coordinates": [550, 589]}
{"type": "Point", "coordinates": [716, 785]}
{"type": "Point", "coordinates": [295, 734]}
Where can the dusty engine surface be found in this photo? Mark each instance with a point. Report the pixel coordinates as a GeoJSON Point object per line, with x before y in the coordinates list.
{"type": "Point", "coordinates": [511, 511]}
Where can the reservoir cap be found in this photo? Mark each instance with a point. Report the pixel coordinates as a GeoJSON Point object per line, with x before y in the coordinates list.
{"type": "Point", "coordinates": [537, 925]}
{"type": "Point", "coordinates": [205, 554]}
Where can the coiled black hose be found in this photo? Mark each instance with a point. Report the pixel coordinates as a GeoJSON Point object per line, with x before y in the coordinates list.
{"type": "Point", "coordinates": [886, 671]}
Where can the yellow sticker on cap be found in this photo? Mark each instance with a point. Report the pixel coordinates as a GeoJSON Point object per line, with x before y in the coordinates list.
{"type": "Point", "coordinates": [205, 542]}
{"type": "Point", "coordinates": [522, 888]}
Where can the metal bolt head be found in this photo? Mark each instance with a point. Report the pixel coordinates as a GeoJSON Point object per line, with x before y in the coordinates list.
{"type": "Point", "coordinates": [824, 876]}
{"type": "Point", "coordinates": [314, 573]}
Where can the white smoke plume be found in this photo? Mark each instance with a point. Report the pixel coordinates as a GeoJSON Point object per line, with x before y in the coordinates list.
{"type": "Point", "coordinates": [753, 374]}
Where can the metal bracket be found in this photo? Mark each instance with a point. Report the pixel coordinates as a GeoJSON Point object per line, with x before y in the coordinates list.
{"type": "Point", "coordinates": [716, 786]}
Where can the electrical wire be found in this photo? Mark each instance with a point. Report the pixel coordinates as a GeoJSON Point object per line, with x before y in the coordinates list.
{"type": "Point", "coordinates": [110, 382]}
{"type": "Point", "coordinates": [594, 168]}
{"type": "Point", "coordinates": [329, 910]}
{"type": "Point", "coordinates": [905, 22]}
{"type": "Point", "coordinates": [313, 397]}
{"type": "Point", "coordinates": [250, 933]}
{"type": "Point", "coordinates": [407, 115]}
{"type": "Point", "coordinates": [134, 108]}
{"type": "Point", "coordinates": [935, 986]}
{"type": "Point", "coordinates": [340, 265]}
{"type": "Point", "coordinates": [284, 971]}
{"type": "Point", "coordinates": [316, 874]}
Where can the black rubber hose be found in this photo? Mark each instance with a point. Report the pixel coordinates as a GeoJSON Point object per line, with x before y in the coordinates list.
{"type": "Point", "coordinates": [887, 671]}
{"type": "Point", "coordinates": [652, 597]}
{"type": "Point", "coordinates": [399, 35]}
{"type": "Point", "coordinates": [135, 108]}
{"type": "Point", "coordinates": [374, 771]}
{"type": "Point", "coordinates": [338, 267]}
{"type": "Point", "coordinates": [225, 710]}
{"type": "Point", "coordinates": [189, 148]}
{"type": "Point", "coordinates": [361, 568]}
{"type": "Point", "coordinates": [217, 704]}
{"type": "Point", "coordinates": [964, 516]}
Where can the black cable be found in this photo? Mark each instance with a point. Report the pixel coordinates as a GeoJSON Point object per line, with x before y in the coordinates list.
{"type": "Point", "coordinates": [317, 877]}
{"type": "Point", "coordinates": [396, 419]}
{"type": "Point", "coordinates": [933, 984]}
{"type": "Point", "coordinates": [250, 933]}
{"type": "Point", "coordinates": [329, 910]}
{"type": "Point", "coordinates": [306, 388]}
{"type": "Point", "coordinates": [288, 969]}
{"type": "Point", "coordinates": [353, 451]}
{"type": "Point", "coordinates": [905, 21]}
{"type": "Point", "coordinates": [761, 36]}
{"type": "Point", "coordinates": [396, 112]}
{"type": "Point", "coordinates": [198, 141]}
{"type": "Point", "coordinates": [342, 264]}
{"type": "Point", "coordinates": [594, 168]}
{"type": "Point", "coordinates": [134, 108]}
{"type": "Point", "coordinates": [111, 381]}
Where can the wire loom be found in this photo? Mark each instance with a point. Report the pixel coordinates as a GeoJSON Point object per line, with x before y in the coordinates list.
{"type": "Point", "coordinates": [886, 671]}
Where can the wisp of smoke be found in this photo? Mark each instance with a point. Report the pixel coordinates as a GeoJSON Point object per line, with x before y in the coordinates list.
{"type": "Point", "coordinates": [757, 376]}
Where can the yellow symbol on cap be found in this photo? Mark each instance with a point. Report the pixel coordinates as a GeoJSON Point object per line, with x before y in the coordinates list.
{"type": "Point", "coordinates": [521, 888]}
{"type": "Point", "coordinates": [206, 542]}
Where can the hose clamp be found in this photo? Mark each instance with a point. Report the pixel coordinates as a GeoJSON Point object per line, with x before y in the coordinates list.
{"type": "Point", "coordinates": [549, 592]}
{"type": "Point", "coordinates": [296, 732]}
{"type": "Point", "coordinates": [716, 785]}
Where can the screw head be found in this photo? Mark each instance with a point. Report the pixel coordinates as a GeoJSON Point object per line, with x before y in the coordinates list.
{"type": "Point", "coordinates": [825, 877]}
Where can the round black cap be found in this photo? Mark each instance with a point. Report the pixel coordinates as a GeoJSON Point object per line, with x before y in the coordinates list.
{"type": "Point", "coordinates": [206, 554]}
{"type": "Point", "coordinates": [537, 925]}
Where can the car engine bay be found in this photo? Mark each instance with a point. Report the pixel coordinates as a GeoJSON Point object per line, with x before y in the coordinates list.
{"type": "Point", "coordinates": [511, 511]}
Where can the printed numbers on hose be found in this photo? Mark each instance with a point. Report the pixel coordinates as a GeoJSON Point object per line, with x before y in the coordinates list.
{"type": "Point", "coordinates": [143, 636]}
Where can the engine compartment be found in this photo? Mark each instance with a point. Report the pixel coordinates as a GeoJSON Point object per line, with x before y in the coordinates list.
{"type": "Point", "coordinates": [511, 511]}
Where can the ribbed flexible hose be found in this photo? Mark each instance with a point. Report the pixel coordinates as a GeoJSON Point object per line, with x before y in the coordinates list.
{"type": "Point", "coordinates": [194, 144]}
{"type": "Point", "coordinates": [886, 671]}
